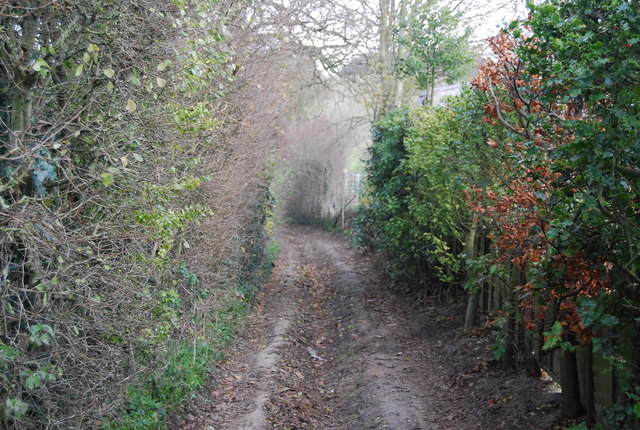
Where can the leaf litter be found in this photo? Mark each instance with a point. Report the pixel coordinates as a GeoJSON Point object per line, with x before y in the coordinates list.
{"type": "Point", "coordinates": [357, 354]}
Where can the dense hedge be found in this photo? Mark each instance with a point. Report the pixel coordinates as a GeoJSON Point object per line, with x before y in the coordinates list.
{"type": "Point", "coordinates": [133, 200]}
{"type": "Point", "coordinates": [530, 184]}
{"type": "Point", "coordinates": [422, 162]}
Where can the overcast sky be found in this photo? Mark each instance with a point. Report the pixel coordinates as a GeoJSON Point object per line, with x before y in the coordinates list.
{"type": "Point", "coordinates": [490, 18]}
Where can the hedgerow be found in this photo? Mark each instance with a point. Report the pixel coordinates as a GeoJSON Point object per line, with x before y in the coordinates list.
{"type": "Point", "coordinates": [133, 200]}
{"type": "Point", "coordinates": [538, 177]}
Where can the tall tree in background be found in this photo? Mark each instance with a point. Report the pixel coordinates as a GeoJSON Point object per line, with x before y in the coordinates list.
{"type": "Point", "coordinates": [437, 47]}
{"type": "Point", "coordinates": [418, 42]}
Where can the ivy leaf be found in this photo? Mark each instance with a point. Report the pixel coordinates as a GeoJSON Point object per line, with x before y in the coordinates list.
{"type": "Point", "coordinates": [107, 179]}
{"type": "Point", "coordinates": [41, 334]}
{"type": "Point", "coordinates": [135, 80]}
{"type": "Point", "coordinates": [7, 353]}
{"type": "Point", "coordinates": [16, 407]}
{"type": "Point", "coordinates": [39, 64]}
{"type": "Point", "coordinates": [109, 72]}
{"type": "Point", "coordinates": [33, 381]}
{"type": "Point", "coordinates": [131, 106]}
{"type": "Point", "coordinates": [163, 66]}
{"type": "Point", "coordinates": [41, 67]}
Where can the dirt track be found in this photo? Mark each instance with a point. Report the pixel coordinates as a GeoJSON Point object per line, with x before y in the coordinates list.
{"type": "Point", "coordinates": [329, 346]}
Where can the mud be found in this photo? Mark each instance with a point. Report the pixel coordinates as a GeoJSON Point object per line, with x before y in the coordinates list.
{"type": "Point", "coordinates": [331, 345]}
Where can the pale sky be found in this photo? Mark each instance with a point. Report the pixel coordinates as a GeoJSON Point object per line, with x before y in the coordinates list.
{"type": "Point", "coordinates": [495, 17]}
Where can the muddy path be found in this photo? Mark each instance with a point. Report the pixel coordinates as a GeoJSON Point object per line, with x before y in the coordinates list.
{"type": "Point", "coordinates": [330, 346]}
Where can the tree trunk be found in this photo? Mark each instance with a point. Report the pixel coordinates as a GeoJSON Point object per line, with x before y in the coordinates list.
{"type": "Point", "coordinates": [633, 421]}
{"type": "Point", "coordinates": [432, 96]}
{"type": "Point", "coordinates": [507, 342]}
{"type": "Point", "coordinates": [22, 103]}
{"type": "Point", "coordinates": [385, 57]}
{"type": "Point", "coordinates": [571, 405]}
{"type": "Point", "coordinates": [474, 295]}
{"type": "Point", "coordinates": [402, 24]}
{"type": "Point", "coordinates": [510, 327]}
{"type": "Point", "coordinates": [591, 411]}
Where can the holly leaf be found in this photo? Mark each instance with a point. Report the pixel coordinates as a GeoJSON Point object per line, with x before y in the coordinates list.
{"type": "Point", "coordinates": [553, 336]}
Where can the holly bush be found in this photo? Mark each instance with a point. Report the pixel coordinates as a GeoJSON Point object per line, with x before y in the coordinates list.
{"type": "Point", "coordinates": [542, 156]}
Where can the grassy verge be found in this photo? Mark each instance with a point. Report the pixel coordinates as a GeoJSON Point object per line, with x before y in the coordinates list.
{"type": "Point", "coordinates": [188, 363]}
{"type": "Point", "coordinates": [187, 369]}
